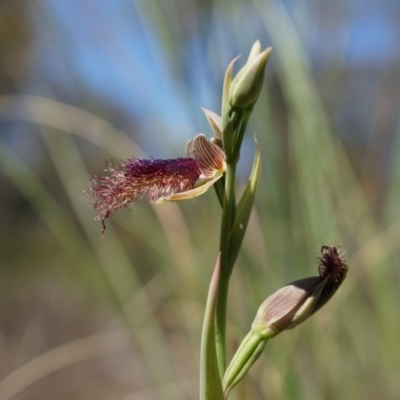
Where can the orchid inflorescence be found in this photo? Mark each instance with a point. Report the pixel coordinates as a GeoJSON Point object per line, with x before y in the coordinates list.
{"type": "Point", "coordinates": [205, 163]}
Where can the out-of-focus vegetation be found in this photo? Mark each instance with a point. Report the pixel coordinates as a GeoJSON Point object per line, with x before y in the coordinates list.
{"type": "Point", "coordinates": [119, 318]}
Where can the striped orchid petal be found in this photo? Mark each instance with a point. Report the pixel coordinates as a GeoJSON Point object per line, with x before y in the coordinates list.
{"type": "Point", "coordinates": [209, 156]}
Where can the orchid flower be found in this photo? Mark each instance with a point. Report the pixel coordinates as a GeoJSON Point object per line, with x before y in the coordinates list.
{"type": "Point", "coordinates": [157, 181]}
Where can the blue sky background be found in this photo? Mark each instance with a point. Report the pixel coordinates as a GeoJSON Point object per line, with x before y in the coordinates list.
{"type": "Point", "coordinates": [116, 54]}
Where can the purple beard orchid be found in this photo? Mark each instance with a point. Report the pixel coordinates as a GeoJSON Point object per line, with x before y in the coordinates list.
{"type": "Point", "coordinates": [158, 181]}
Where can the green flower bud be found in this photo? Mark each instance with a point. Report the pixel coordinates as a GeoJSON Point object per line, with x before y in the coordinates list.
{"type": "Point", "coordinates": [294, 303]}
{"type": "Point", "coordinates": [285, 309]}
{"type": "Point", "coordinates": [288, 306]}
{"type": "Point", "coordinates": [247, 84]}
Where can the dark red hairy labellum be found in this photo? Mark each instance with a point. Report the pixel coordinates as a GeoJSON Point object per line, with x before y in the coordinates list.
{"type": "Point", "coordinates": [135, 179]}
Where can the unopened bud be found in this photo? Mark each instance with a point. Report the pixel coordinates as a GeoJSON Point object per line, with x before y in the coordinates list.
{"type": "Point", "coordinates": [294, 303]}
{"type": "Point", "coordinates": [285, 309]}
{"type": "Point", "coordinates": [248, 82]}
{"type": "Point", "coordinates": [288, 306]}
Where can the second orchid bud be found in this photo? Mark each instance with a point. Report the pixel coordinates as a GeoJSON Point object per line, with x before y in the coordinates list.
{"type": "Point", "coordinates": [294, 303]}
{"type": "Point", "coordinates": [285, 309]}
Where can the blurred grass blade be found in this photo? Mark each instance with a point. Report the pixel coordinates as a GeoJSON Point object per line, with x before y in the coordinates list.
{"type": "Point", "coordinates": [44, 203]}
{"type": "Point", "coordinates": [61, 357]}
{"type": "Point", "coordinates": [210, 380]}
{"type": "Point", "coordinates": [244, 208]}
{"type": "Point", "coordinates": [55, 114]}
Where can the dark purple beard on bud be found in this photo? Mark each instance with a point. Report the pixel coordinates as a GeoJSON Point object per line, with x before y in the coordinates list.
{"type": "Point", "coordinates": [331, 262]}
{"type": "Point", "coordinates": [333, 268]}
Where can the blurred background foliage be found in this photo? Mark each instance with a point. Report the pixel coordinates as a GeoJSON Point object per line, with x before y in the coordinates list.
{"type": "Point", "coordinates": [119, 318]}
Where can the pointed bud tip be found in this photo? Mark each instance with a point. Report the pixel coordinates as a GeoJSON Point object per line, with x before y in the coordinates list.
{"type": "Point", "coordinates": [255, 50]}
{"type": "Point", "coordinates": [247, 84]}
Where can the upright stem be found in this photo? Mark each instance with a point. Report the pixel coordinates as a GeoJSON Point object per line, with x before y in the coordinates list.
{"type": "Point", "coordinates": [242, 130]}
{"type": "Point", "coordinates": [228, 213]}
{"type": "Point", "coordinates": [238, 98]}
{"type": "Point", "coordinates": [228, 218]}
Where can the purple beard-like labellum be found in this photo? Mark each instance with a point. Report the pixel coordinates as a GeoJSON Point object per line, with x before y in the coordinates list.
{"type": "Point", "coordinates": [135, 179]}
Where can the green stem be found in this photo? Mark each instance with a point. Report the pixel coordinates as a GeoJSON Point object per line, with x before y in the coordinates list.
{"type": "Point", "coordinates": [219, 188]}
{"type": "Point", "coordinates": [228, 213]}
{"type": "Point", "coordinates": [239, 120]}
{"type": "Point", "coordinates": [242, 130]}
{"type": "Point", "coordinates": [221, 325]}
